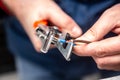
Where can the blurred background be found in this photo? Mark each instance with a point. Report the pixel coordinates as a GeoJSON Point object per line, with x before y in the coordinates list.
{"type": "Point", "coordinates": [7, 64]}
{"type": "Point", "coordinates": [7, 67]}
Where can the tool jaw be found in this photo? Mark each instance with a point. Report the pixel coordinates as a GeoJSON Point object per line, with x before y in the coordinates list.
{"type": "Point", "coordinates": [65, 47]}
{"type": "Point", "coordinates": [46, 36]}
{"type": "Point", "coordinates": [66, 52]}
{"type": "Point", "coordinates": [51, 35]}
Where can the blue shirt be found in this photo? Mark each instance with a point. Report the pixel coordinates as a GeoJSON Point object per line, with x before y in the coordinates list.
{"type": "Point", "coordinates": [85, 13]}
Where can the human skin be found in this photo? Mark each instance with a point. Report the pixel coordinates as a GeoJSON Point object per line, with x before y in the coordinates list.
{"type": "Point", "coordinates": [105, 52]}
{"type": "Point", "coordinates": [29, 11]}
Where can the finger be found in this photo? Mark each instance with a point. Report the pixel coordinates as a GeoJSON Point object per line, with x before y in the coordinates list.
{"type": "Point", "coordinates": [106, 47]}
{"type": "Point", "coordinates": [63, 21]}
{"type": "Point", "coordinates": [36, 42]}
{"type": "Point", "coordinates": [116, 30]}
{"type": "Point", "coordinates": [104, 25]}
{"type": "Point", "coordinates": [109, 62]}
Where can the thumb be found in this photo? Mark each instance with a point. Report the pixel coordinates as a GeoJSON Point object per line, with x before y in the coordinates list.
{"type": "Point", "coordinates": [63, 21]}
{"type": "Point", "coordinates": [104, 25]}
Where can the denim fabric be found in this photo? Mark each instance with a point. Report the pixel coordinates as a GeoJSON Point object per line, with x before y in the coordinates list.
{"type": "Point", "coordinates": [85, 14]}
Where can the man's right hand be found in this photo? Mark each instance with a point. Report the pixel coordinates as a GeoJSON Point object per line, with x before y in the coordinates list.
{"type": "Point", "coordinates": [29, 11]}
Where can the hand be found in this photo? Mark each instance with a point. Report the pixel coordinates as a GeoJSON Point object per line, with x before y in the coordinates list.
{"type": "Point", "coordinates": [105, 52]}
{"type": "Point", "coordinates": [29, 11]}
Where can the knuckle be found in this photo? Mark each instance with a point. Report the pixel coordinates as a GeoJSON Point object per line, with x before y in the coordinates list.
{"type": "Point", "coordinates": [101, 64]}
{"type": "Point", "coordinates": [111, 13]}
{"type": "Point", "coordinates": [93, 34]}
{"type": "Point", "coordinates": [100, 52]}
{"type": "Point", "coordinates": [108, 12]}
{"type": "Point", "coordinates": [67, 22]}
{"type": "Point", "coordinates": [50, 11]}
{"type": "Point", "coordinates": [118, 22]}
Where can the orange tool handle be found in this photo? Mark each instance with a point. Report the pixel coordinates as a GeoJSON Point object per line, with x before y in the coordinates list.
{"type": "Point", "coordinates": [43, 22]}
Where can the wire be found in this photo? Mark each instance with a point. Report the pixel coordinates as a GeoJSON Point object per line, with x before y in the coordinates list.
{"type": "Point", "coordinates": [81, 41]}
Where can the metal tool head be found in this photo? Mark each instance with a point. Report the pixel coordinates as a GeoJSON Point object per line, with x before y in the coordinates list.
{"type": "Point", "coordinates": [46, 36]}
{"type": "Point", "coordinates": [65, 47]}
{"type": "Point", "coordinates": [51, 35]}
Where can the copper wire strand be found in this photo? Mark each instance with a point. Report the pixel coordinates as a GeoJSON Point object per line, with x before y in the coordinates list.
{"type": "Point", "coordinates": [79, 42]}
{"type": "Point", "coordinates": [82, 41]}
